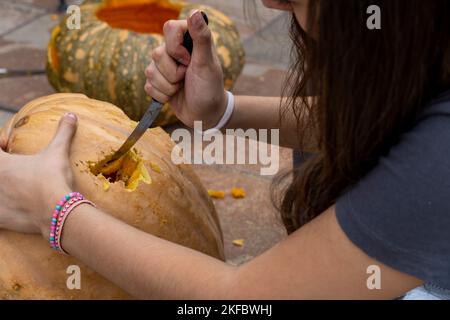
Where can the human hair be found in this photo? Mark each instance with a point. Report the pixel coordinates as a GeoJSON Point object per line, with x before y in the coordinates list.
{"type": "Point", "coordinates": [369, 87]}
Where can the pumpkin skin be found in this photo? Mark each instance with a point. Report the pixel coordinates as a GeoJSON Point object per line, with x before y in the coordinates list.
{"type": "Point", "coordinates": [174, 206]}
{"type": "Point", "coordinates": [107, 57]}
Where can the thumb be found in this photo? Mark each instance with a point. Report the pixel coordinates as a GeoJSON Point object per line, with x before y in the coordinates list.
{"type": "Point", "coordinates": [202, 52]}
{"type": "Point", "coordinates": [63, 138]}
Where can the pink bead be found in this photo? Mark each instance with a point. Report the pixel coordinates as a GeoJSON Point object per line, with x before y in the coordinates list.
{"type": "Point", "coordinates": [61, 203]}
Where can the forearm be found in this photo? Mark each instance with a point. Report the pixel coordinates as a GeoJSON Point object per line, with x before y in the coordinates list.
{"type": "Point", "coordinates": [149, 267]}
{"type": "Point", "coordinates": [255, 112]}
{"type": "Point", "coordinates": [143, 265]}
{"type": "Point", "coordinates": [264, 113]}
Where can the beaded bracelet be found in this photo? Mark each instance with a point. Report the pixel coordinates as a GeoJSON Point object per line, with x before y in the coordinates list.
{"type": "Point", "coordinates": [62, 210]}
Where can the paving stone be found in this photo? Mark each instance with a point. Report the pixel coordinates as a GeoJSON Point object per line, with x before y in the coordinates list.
{"type": "Point", "coordinates": [5, 116]}
{"type": "Point", "coordinates": [50, 5]}
{"type": "Point", "coordinates": [16, 92]}
{"type": "Point", "coordinates": [252, 218]}
{"type": "Point", "coordinates": [16, 55]}
{"type": "Point", "coordinates": [36, 33]}
{"type": "Point", "coordinates": [256, 70]}
{"type": "Point", "coordinates": [268, 84]}
{"type": "Point", "coordinates": [14, 14]}
{"type": "Point", "coordinates": [271, 44]}
{"type": "Point", "coordinates": [46, 4]}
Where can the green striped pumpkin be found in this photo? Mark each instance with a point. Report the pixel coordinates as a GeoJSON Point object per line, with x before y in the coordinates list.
{"type": "Point", "coordinates": [107, 57]}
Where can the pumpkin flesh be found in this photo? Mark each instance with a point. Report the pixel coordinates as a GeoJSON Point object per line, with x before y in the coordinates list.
{"type": "Point", "coordinates": [143, 16]}
{"type": "Point", "coordinates": [129, 169]}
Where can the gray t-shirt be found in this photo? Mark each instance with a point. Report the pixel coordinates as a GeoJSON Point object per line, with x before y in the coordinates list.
{"type": "Point", "coordinates": [399, 213]}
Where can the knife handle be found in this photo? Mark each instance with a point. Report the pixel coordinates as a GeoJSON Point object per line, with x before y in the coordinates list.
{"type": "Point", "coordinates": [187, 40]}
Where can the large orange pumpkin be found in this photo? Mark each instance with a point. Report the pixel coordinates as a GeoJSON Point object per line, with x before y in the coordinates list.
{"type": "Point", "coordinates": [145, 189]}
{"type": "Point", "coordinates": [107, 57]}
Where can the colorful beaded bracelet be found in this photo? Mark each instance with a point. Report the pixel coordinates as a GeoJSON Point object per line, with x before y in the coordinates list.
{"type": "Point", "coordinates": [62, 210]}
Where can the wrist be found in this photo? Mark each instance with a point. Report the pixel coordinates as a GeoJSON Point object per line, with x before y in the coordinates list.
{"type": "Point", "coordinates": [50, 200]}
{"type": "Point", "coordinates": [218, 113]}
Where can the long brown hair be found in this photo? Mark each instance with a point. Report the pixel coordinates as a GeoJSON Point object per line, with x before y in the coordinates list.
{"type": "Point", "coordinates": [370, 87]}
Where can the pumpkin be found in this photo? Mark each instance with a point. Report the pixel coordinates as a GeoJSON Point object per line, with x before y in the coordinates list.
{"type": "Point", "coordinates": [107, 57]}
{"type": "Point", "coordinates": [144, 189]}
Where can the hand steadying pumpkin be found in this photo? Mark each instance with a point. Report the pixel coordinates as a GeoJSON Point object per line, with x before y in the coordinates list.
{"type": "Point", "coordinates": [34, 182]}
{"type": "Point", "coordinates": [194, 87]}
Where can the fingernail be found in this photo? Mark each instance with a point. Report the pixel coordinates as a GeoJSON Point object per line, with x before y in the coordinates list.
{"type": "Point", "coordinates": [197, 19]}
{"type": "Point", "coordinates": [71, 116]}
{"type": "Point", "coordinates": [194, 12]}
{"type": "Point", "coordinates": [183, 62]}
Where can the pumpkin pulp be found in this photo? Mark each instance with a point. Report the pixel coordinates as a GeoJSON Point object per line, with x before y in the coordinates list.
{"type": "Point", "coordinates": [142, 16]}
{"type": "Point", "coordinates": [129, 169]}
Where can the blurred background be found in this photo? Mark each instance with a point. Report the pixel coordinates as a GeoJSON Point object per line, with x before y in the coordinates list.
{"type": "Point", "coordinates": [25, 27]}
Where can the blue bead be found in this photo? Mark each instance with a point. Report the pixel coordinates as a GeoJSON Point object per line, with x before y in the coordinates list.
{"type": "Point", "coordinates": [53, 219]}
{"type": "Point", "coordinates": [67, 197]}
{"type": "Point", "coordinates": [52, 238]}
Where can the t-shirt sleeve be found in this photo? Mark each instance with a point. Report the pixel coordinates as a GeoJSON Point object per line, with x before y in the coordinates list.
{"type": "Point", "coordinates": [399, 213]}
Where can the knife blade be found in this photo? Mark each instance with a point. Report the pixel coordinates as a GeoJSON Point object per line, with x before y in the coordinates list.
{"type": "Point", "coordinates": [152, 112]}
{"type": "Point", "coordinates": [150, 115]}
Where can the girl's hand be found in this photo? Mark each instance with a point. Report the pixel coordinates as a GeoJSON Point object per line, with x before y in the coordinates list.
{"type": "Point", "coordinates": [193, 87]}
{"type": "Point", "coordinates": [32, 185]}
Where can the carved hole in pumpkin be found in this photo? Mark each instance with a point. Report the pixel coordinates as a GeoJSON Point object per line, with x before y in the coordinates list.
{"type": "Point", "coordinates": [143, 16]}
{"type": "Point", "coordinates": [129, 169]}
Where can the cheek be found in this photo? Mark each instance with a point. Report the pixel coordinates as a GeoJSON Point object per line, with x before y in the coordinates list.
{"type": "Point", "coordinates": [300, 11]}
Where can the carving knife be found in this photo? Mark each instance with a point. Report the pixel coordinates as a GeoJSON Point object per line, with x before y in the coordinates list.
{"type": "Point", "coordinates": [152, 112]}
